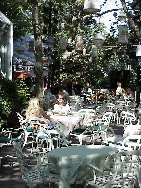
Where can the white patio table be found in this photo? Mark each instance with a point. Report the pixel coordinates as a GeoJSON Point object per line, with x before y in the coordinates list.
{"type": "Point", "coordinates": [68, 160]}
{"type": "Point", "coordinates": [132, 130]}
{"type": "Point", "coordinates": [69, 121]}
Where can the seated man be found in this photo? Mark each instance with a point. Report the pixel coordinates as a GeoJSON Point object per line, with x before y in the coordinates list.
{"type": "Point", "coordinates": [119, 91]}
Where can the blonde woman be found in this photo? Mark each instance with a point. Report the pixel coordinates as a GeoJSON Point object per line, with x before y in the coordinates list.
{"type": "Point", "coordinates": [35, 111]}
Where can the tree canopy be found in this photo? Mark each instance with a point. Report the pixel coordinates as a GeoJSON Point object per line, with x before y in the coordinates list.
{"type": "Point", "coordinates": [76, 68]}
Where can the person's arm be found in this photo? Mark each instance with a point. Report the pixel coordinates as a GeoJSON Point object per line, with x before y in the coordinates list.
{"type": "Point", "coordinates": [56, 109]}
{"type": "Point", "coordinates": [45, 115]}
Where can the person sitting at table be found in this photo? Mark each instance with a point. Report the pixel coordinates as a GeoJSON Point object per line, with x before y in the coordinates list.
{"type": "Point", "coordinates": [34, 110]}
{"type": "Point", "coordinates": [119, 91]}
{"type": "Point", "coordinates": [61, 107]}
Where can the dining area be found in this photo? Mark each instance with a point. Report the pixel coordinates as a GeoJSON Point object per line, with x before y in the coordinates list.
{"type": "Point", "coordinates": [78, 149]}
{"type": "Point", "coordinates": [82, 166]}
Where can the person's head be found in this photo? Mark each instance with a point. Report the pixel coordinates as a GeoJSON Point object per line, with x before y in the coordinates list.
{"type": "Point", "coordinates": [33, 109]}
{"type": "Point", "coordinates": [61, 99]}
{"type": "Point", "coordinates": [47, 91]}
{"type": "Point", "coordinates": [119, 84]}
{"type": "Point", "coordinates": [34, 102]}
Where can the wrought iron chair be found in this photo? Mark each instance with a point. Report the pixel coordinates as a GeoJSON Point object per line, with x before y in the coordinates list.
{"type": "Point", "coordinates": [23, 121]}
{"type": "Point", "coordinates": [38, 174]}
{"type": "Point", "coordinates": [132, 142]}
{"type": "Point", "coordinates": [120, 170]}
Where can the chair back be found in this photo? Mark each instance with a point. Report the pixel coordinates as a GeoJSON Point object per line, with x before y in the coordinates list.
{"type": "Point", "coordinates": [23, 122]}
{"type": "Point", "coordinates": [86, 113]}
{"type": "Point", "coordinates": [132, 142]}
{"type": "Point", "coordinates": [123, 163]}
{"type": "Point", "coordinates": [19, 154]}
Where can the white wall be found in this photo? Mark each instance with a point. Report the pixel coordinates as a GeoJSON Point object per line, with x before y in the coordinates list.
{"type": "Point", "coordinates": [6, 46]}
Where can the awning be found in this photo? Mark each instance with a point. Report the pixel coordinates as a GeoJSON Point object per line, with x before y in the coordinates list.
{"type": "Point", "coordinates": [23, 74]}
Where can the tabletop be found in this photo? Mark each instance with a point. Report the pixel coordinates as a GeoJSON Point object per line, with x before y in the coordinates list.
{"type": "Point", "coordinates": [132, 130]}
{"type": "Point", "coordinates": [68, 160]}
{"type": "Point", "coordinates": [69, 121]}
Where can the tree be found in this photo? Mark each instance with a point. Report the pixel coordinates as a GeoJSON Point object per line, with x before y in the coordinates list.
{"type": "Point", "coordinates": [19, 14]}
{"type": "Point", "coordinates": [72, 14]}
{"type": "Point", "coordinates": [14, 96]}
{"type": "Point", "coordinates": [131, 21]}
{"type": "Point", "coordinates": [38, 50]}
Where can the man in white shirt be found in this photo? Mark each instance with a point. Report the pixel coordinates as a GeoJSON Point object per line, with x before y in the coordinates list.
{"type": "Point", "coordinates": [119, 91]}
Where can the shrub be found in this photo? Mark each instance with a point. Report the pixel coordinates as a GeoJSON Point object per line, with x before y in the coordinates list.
{"type": "Point", "coordinates": [14, 96]}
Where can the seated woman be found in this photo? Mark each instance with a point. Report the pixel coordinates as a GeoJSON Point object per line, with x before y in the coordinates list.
{"type": "Point", "coordinates": [61, 107]}
{"type": "Point", "coordinates": [34, 110]}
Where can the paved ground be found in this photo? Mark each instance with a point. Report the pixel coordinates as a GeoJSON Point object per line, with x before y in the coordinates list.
{"type": "Point", "coordinates": [10, 176]}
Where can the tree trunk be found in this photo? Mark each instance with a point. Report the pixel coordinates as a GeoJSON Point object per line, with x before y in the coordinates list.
{"type": "Point", "coordinates": [130, 21]}
{"type": "Point", "coordinates": [38, 51]}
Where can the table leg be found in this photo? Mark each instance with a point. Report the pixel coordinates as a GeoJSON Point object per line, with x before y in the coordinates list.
{"type": "Point", "coordinates": [63, 184]}
{"type": "Point", "coordinates": [64, 175]}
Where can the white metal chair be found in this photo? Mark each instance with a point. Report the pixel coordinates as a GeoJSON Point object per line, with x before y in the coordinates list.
{"type": "Point", "coordinates": [132, 142]}
{"type": "Point", "coordinates": [108, 115]}
{"type": "Point", "coordinates": [88, 116]}
{"type": "Point", "coordinates": [102, 132]}
{"type": "Point", "coordinates": [104, 120]}
{"type": "Point", "coordinates": [87, 113]}
{"type": "Point", "coordinates": [23, 121]}
{"type": "Point", "coordinates": [127, 117]}
{"type": "Point", "coordinates": [120, 170]}
{"type": "Point", "coordinates": [44, 141]}
{"type": "Point", "coordinates": [84, 137]}
{"type": "Point", "coordinates": [37, 174]}
{"type": "Point", "coordinates": [59, 137]}
{"type": "Point", "coordinates": [28, 136]}
{"type": "Point", "coordinates": [110, 106]}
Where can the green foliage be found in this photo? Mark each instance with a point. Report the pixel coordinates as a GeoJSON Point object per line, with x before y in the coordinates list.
{"type": "Point", "coordinates": [13, 98]}
{"type": "Point", "coordinates": [19, 14]}
{"type": "Point", "coordinates": [76, 68]}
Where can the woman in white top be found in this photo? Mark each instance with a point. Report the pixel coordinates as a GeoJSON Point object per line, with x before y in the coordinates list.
{"type": "Point", "coordinates": [61, 107]}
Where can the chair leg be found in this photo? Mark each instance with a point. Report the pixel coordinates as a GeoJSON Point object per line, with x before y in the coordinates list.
{"type": "Point", "coordinates": [32, 185]}
{"type": "Point", "coordinates": [26, 186]}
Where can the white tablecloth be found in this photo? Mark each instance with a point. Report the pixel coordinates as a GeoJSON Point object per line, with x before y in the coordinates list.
{"type": "Point", "coordinates": [69, 121]}
{"type": "Point", "coordinates": [68, 160]}
{"type": "Point", "coordinates": [132, 130]}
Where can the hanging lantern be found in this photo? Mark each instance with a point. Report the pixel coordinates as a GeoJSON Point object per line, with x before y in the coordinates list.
{"type": "Point", "coordinates": [63, 43]}
{"type": "Point", "coordinates": [123, 34]}
{"type": "Point", "coordinates": [19, 1]}
{"type": "Point", "coordinates": [79, 43]}
{"type": "Point", "coordinates": [138, 51]}
{"type": "Point", "coordinates": [84, 51]}
{"type": "Point", "coordinates": [98, 39]}
{"type": "Point", "coordinates": [62, 26]}
{"type": "Point", "coordinates": [50, 41]}
{"type": "Point", "coordinates": [69, 47]}
{"type": "Point", "coordinates": [92, 5]}
{"type": "Point", "coordinates": [94, 51]}
{"type": "Point", "coordinates": [122, 16]}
